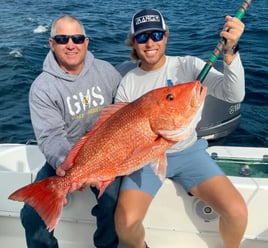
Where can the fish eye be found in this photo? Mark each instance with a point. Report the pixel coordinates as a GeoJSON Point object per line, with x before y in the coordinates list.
{"type": "Point", "coordinates": [170, 97]}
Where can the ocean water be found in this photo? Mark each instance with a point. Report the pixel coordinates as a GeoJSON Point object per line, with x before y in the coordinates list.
{"type": "Point", "coordinates": [194, 28]}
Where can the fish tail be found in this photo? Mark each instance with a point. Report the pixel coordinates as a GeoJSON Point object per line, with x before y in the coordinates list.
{"type": "Point", "coordinates": [46, 197]}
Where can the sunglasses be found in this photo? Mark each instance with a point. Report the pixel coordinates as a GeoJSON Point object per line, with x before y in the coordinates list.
{"type": "Point", "coordinates": [64, 39]}
{"type": "Point", "coordinates": [144, 37]}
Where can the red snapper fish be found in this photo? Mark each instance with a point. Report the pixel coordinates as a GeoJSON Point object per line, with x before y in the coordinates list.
{"type": "Point", "coordinates": [126, 137]}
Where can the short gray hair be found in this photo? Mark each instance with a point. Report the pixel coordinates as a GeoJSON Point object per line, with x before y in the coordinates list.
{"type": "Point", "coordinates": [67, 17]}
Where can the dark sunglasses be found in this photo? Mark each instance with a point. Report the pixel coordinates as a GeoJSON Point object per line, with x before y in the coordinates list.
{"type": "Point", "coordinates": [144, 37]}
{"type": "Point", "coordinates": [63, 39]}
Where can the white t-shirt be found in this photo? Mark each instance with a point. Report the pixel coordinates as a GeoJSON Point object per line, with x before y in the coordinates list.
{"type": "Point", "coordinates": [229, 86]}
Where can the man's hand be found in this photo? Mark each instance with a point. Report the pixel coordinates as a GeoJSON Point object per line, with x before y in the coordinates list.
{"type": "Point", "coordinates": [232, 31]}
{"type": "Point", "coordinates": [90, 182]}
{"type": "Point", "coordinates": [61, 171]}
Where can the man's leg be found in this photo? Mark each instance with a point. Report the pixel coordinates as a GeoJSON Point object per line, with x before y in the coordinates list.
{"type": "Point", "coordinates": [37, 235]}
{"type": "Point", "coordinates": [136, 193]}
{"type": "Point", "coordinates": [199, 174]}
{"type": "Point", "coordinates": [130, 212]}
{"type": "Point", "coordinates": [224, 198]}
{"type": "Point", "coordinates": [105, 236]}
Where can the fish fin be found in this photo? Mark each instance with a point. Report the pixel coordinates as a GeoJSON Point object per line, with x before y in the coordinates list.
{"type": "Point", "coordinates": [104, 185]}
{"type": "Point", "coordinates": [160, 166]}
{"type": "Point", "coordinates": [70, 158]}
{"type": "Point", "coordinates": [108, 111]}
{"type": "Point", "coordinates": [154, 153]}
{"type": "Point", "coordinates": [45, 197]}
{"type": "Point", "coordinates": [105, 114]}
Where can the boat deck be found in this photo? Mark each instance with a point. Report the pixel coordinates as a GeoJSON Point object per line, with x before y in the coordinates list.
{"type": "Point", "coordinates": [174, 219]}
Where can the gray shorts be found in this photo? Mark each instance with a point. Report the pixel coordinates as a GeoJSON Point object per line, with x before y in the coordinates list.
{"type": "Point", "coordinates": [189, 168]}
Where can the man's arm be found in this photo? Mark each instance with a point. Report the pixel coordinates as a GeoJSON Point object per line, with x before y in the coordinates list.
{"type": "Point", "coordinates": [232, 31]}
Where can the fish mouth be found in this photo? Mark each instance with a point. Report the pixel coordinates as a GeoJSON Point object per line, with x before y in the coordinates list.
{"type": "Point", "coordinates": [182, 133]}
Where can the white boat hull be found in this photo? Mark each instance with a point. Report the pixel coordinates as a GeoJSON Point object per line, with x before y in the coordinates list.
{"type": "Point", "coordinates": [173, 220]}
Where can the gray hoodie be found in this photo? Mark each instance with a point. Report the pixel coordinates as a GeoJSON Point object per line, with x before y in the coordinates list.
{"type": "Point", "coordinates": [64, 107]}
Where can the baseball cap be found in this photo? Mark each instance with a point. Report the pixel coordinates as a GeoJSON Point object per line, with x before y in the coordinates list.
{"type": "Point", "coordinates": [147, 20]}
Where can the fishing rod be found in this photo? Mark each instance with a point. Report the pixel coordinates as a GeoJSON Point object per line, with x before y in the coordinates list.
{"type": "Point", "coordinates": [219, 47]}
